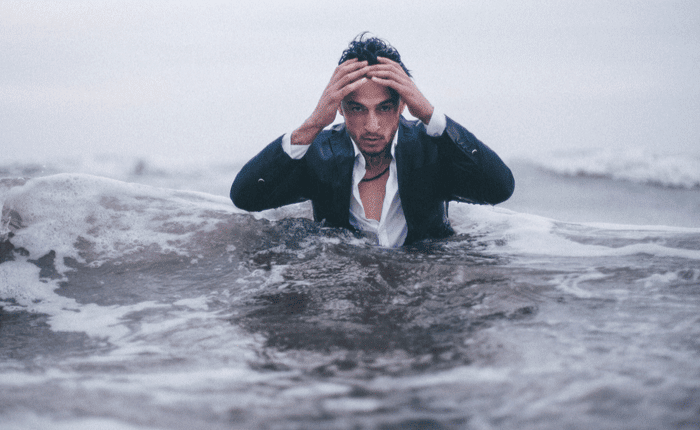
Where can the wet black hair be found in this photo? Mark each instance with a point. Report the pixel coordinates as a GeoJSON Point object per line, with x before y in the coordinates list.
{"type": "Point", "coordinates": [369, 48]}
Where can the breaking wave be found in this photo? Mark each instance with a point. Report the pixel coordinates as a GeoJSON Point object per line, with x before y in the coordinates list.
{"type": "Point", "coordinates": [667, 170]}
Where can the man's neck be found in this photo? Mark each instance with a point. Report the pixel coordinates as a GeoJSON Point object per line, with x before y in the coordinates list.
{"type": "Point", "coordinates": [381, 160]}
{"type": "Point", "coordinates": [377, 161]}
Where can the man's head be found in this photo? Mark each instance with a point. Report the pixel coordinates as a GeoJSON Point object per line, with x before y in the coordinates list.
{"type": "Point", "coordinates": [369, 48]}
{"type": "Point", "coordinates": [372, 111]}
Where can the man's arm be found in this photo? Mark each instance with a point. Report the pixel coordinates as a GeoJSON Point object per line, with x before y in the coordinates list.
{"type": "Point", "coordinates": [346, 78]}
{"type": "Point", "coordinates": [390, 74]}
{"type": "Point", "coordinates": [272, 178]}
{"type": "Point", "coordinates": [472, 171]}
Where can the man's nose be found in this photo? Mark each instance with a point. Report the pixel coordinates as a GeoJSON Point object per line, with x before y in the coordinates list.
{"type": "Point", "coordinates": [372, 124]}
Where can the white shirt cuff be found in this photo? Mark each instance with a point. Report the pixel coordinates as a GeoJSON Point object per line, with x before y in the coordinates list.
{"type": "Point", "coordinates": [296, 152]}
{"type": "Point", "coordinates": [437, 124]}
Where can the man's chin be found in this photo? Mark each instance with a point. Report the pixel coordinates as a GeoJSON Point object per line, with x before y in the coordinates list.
{"type": "Point", "coordinates": [373, 151]}
{"type": "Point", "coordinates": [373, 147]}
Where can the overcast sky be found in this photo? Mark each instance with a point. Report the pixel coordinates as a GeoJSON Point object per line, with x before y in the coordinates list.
{"type": "Point", "coordinates": [216, 80]}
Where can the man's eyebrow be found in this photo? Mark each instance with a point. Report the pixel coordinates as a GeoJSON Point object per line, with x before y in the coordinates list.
{"type": "Point", "coordinates": [351, 103]}
{"type": "Point", "coordinates": [390, 100]}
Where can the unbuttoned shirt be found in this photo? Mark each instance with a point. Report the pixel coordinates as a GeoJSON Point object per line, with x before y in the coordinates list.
{"type": "Point", "coordinates": [391, 229]}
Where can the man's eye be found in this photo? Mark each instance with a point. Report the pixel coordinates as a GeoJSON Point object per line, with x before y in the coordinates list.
{"type": "Point", "coordinates": [356, 109]}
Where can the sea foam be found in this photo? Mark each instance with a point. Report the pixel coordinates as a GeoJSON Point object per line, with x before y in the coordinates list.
{"type": "Point", "coordinates": [90, 218]}
{"type": "Point", "coordinates": [669, 170]}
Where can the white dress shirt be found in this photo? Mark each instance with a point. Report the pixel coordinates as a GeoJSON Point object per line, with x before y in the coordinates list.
{"type": "Point", "coordinates": [391, 229]}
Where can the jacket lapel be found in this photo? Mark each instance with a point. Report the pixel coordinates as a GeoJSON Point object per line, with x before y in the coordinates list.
{"type": "Point", "coordinates": [344, 156]}
{"type": "Point", "coordinates": [402, 162]}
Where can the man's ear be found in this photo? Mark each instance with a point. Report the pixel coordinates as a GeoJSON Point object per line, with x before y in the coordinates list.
{"type": "Point", "coordinates": [340, 109]}
{"type": "Point", "coordinates": [402, 106]}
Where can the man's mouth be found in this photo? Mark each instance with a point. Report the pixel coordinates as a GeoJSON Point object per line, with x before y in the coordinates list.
{"type": "Point", "coordinates": [371, 138]}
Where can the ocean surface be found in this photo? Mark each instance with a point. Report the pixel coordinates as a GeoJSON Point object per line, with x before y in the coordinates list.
{"type": "Point", "coordinates": [133, 295]}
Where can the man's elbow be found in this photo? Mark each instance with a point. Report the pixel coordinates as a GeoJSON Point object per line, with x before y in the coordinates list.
{"type": "Point", "coordinates": [503, 191]}
{"type": "Point", "coordinates": [242, 199]}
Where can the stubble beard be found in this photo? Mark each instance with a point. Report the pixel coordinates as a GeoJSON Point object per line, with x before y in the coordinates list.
{"type": "Point", "coordinates": [378, 158]}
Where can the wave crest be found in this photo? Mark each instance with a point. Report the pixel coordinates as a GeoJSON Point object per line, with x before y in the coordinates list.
{"type": "Point", "coordinates": [674, 171]}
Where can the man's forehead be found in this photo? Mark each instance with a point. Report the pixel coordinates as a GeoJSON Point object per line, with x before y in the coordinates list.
{"type": "Point", "coordinates": [370, 94]}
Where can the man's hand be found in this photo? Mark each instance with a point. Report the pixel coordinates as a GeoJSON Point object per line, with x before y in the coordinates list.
{"type": "Point", "coordinates": [390, 74]}
{"type": "Point", "coordinates": [346, 78]}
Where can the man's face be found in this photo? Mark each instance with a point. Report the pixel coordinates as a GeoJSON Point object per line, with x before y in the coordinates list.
{"type": "Point", "coordinates": [371, 117]}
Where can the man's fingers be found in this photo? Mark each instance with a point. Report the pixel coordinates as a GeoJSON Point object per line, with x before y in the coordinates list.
{"type": "Point", "coordinates": [385, 62]}
{"type": "Point", "coordinates": [384, 81]}
{"type": "Point", "coordinates": [348, 67]}
{"type": "Point", "coordinates": [347, 89]}
{"type": "Point", "coordinates": [351, 77]}
{"type": "Point", "coordinates": [389, 80]}
{"type": "Point", "coordinates": [387, 72]}
{"type": "Point", "coordinates": [353, 70]}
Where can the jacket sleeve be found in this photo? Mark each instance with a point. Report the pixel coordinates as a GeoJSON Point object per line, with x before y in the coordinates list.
{"type": "Point", "coordinates": [270, 180]}
{"type": "Point", "coordinates": [473, 172]}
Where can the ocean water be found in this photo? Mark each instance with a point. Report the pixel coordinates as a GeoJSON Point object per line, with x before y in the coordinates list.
{"type": "Point", "coordinates": [133, 295]}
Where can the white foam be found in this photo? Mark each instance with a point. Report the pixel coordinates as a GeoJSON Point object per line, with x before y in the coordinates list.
{"type": "Point", "coordinates": [20, 282]}
{"type": "Point", "coordinates": [518, 234]}
{"type": "Point", "coordinates": [485, 375]}
{"type": "Point", "coordinates": [663, 279]}
{"type": "Point", "coordinates": [70, 213]}
{"type": "Point", "coordinates": [352, 405]}
{"type": "Point", "coordinates": [318, 389]}
{"type": "Point", "coordinates": [199, 303]}
{"type": "Point", "coordinates": [105, 322]}
{"type": "Point", "coordinates": [673, 170]}
{"type": "Point", "coordinates": [571, 283]}
{"type": "Point", "coordinates": [33, 421]}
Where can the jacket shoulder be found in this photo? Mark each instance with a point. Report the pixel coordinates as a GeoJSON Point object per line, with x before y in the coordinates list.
{"type": "Point", "coordinates": [331, 143]}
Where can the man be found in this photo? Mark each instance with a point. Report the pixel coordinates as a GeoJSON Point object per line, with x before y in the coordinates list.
{"type": "Point", "coordinates": [377, 173]}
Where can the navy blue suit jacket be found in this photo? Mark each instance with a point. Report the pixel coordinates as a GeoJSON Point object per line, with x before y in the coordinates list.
{"type": "Point", "coordinates": [431, 172]}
